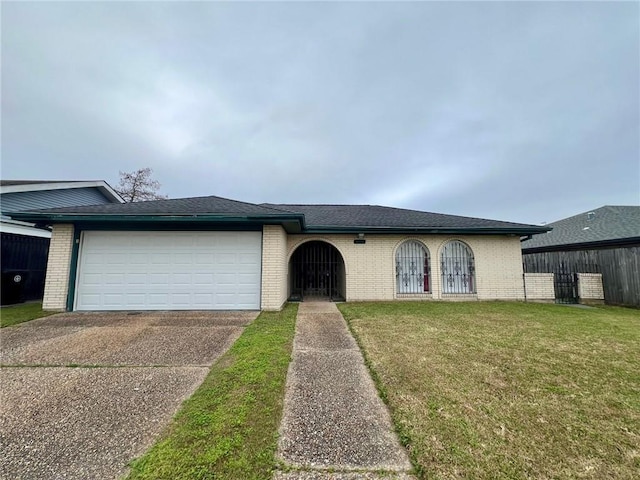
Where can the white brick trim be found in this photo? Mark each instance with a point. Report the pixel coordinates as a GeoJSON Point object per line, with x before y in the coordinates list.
{"type": "Point", "coordinates": [540, 287]}
{"type": "Point", "coordinates": [275, 288]}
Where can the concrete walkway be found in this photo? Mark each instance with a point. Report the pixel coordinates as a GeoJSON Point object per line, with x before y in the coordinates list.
{"type": "Point", "coordinates": [334, 425]}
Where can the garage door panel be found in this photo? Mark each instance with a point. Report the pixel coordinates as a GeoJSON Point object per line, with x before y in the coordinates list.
{"type": "Point", "coordinates": [137, 258]}
{"type": "Point", "coordinates": [226, 259]}
{"type": "Point", "coordinates": [169, 270]}
{"type": "Point", "coordinates": [136, 278]}
{"type": "Point", "coordinates": [160, 258]}
{"type": "Point", "coordinates": [183, 259]}
{"type": "Point", "coordinates": [248, 258]}
{"type": "Point", "coordinates": [203, 279]}
{"type": "Point", "coordinates": [204, 298]}
{"type": "Point", "coordinates": [205, 258]}
{"type": "Point", "coordinates": [246, 279]}
{"type": "Point", "coordinates": [159, 279]}
{"type": "Point", "coordinates": [111, 299]}
{"type": "Point", "coordinates": [113, 278]}
{"type": "Point", "coordinates": [181, 279]}
{"type": "Point", "coordinates": [92, 279]}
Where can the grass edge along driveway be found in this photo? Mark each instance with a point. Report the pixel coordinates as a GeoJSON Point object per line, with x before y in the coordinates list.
{"type": "Point", "coordinates": [229, 427]}
{"type": "Point", "coordinates": [16, 314]}
{"type": "Point", "coordinates": [490, 390]}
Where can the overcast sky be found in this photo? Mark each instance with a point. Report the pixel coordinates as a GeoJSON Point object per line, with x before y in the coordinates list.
{"type": "Point", "coordinates": [528, 112]}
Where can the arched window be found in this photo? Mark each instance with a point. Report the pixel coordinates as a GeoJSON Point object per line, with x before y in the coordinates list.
{"type": "Point", "coordinates": [412, 268]}
{"type": "Point", "coordinates": [458, 268]}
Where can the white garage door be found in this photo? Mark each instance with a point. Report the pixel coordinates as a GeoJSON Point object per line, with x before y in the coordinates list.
{"type": "Point", "coordinates": [169, 271]}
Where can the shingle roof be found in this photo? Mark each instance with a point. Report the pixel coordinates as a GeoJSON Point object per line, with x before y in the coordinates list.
{"type": "Point", "coordinates": [604, 224]}
{"type": "Point", "coordinates": [311, 217]}
{"type": "Point", "coordinates": [211, 205]}
{"type": "Point", "coordinates": [318, 216]}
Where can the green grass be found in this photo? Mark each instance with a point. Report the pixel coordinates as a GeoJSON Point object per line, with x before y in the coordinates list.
{"type": "Point", "coordinates": [490, 390]}
{"type": "Point", "coordinates": [15, 314]}
{"type": "Point", "coordinates": [228, 429]}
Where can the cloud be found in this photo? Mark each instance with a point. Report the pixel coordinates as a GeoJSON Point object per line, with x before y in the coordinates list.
{"type": "Point", "coordinates": [516, 111]}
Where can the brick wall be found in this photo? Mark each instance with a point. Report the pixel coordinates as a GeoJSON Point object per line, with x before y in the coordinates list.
{"type": "Point", "coordinates": [540, 287]}
{"type": "Point", "coordinates": [274, 267]}
{"type": "Point", "coordinates": [370, 267]}
{"type": "Point", "coordinates": [56, 284]}
{"type": "Point", "coordinates": [590, 288]}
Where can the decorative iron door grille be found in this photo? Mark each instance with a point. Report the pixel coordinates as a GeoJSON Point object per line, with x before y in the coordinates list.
{"type": "Point", "coordinates": [315, 271]}
{"type": "Point", "coordinates": [565, 284]}
{"type": "Point", "coordinates": [458, 269]}
{"type": "Point", "coordinates": [412, 268]}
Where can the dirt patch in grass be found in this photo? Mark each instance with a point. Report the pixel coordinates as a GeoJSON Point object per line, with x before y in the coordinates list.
{"type": "Point", "coordinates": [15, 314]}
{"type": "Point", "coordinates": [508, 390]}
{"type": "Point", "coordinates": [229, 427]}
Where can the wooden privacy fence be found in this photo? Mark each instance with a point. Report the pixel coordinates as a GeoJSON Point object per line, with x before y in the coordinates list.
{"type": "Point", "coordinates": [620, 269]}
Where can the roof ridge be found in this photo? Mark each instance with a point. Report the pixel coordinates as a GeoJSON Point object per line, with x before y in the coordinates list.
{"type": "Point", "coordinates": [233, 200]}
{"type": "Point", "coordinates": [272, 206]}
{"type": "Point", "coordinates": [160, 200]}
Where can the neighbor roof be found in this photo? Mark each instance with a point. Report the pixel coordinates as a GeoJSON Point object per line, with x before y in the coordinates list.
{"type": "Point", "coordinates": [15, 186]}
{"type": "Point", "coordinates": [602, 226]}
{"type": "Point", "coordinates": [295, 218]}
{"type": "Point", "coordinates": [10, 183]}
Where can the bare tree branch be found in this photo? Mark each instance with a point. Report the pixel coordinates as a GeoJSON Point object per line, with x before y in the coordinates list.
{"type": "Point", "coordinates": [138, 186]}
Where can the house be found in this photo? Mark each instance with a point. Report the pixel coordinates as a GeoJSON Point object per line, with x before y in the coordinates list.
{"type": "Point", "coordinates": [605, 240]}
{"type": "Point", "coordinates": [25, 246]}
{"type": "Point", "coordinates": [212, 253]}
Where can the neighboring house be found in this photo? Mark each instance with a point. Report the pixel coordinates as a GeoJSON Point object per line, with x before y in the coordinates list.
{"type": "Point", "coordinates": [605, 240]}
{"type": "Point", "coordinates": [25, 246]}
{"type": "Point", "coordinates": [212, 253]}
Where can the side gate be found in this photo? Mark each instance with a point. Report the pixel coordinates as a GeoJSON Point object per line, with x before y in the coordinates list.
{"type": "Point", "coordinates": [565, 284]}
{"type": "Point", "coordinates": [565, 267]}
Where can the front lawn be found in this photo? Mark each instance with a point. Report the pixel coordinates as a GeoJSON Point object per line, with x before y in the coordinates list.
{"type": "Point", "coordinates": [229, 427]}
{"type": "Point", "coordinates": [490, 390]}
{"type": "Point", "coordinates": [14, 314]}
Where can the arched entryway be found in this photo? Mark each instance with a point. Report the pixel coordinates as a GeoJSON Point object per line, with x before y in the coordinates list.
{"type": "Point", "coordinates": [316, 271]}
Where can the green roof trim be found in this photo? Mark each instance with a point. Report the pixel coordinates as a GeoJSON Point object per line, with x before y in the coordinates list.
{"type": "Point", "coordinates": [428, 230]}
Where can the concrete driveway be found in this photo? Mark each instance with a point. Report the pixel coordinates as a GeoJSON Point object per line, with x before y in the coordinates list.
{"type": "Point", "coordinates": [82, 394]}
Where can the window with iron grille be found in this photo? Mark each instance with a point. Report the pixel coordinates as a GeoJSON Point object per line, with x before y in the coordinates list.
{"type": "Point", "coordinates": [412, 268]}
{"type": "Point", "coordinates": [458, 268]}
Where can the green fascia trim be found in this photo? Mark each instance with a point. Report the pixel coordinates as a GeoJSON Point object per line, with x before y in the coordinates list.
{"type": "Point", "coordinates": [435, 231]}
{"type": "Point", "coordinates": [73, 269]}
{"type": "Point", "coordinates": [293, 223]}
{"type": "Point", "coordinates": [63, 217]}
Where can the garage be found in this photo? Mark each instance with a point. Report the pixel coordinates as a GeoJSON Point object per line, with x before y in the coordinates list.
{"type": "Point", "coordinates": [168, 270]}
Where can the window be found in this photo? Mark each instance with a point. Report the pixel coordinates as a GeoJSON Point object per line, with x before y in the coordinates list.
{"type": "Point", "coordinates": [412, 268]}
{"type": "Point", "coordinates": [458, 268]}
